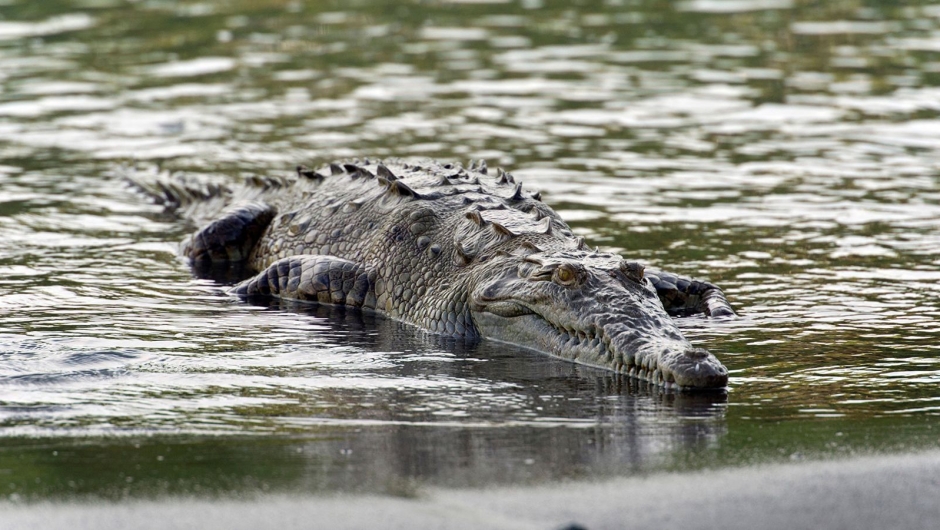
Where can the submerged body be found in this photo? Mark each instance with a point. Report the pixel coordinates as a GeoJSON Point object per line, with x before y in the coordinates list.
{"type": "Point", "coordinates": [464, 252]}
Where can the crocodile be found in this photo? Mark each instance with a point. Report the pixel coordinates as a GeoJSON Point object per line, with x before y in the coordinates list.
{"type": "Point", "coordinates": [461, 251]}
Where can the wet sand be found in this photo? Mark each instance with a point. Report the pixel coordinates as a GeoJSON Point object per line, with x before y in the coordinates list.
{"type": "Point", "coordinates": [878, 492]}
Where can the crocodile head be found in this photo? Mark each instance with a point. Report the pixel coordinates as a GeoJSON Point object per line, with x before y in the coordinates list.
{"type": "Point", "coordinates": [592, 308]}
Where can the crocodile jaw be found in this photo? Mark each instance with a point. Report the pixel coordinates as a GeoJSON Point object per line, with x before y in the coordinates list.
{"type": "Point", "coordinates": [665, 361]}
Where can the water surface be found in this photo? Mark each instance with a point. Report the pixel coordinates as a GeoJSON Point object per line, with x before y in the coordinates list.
{"type": "Point", "coordinates": [788, 151]}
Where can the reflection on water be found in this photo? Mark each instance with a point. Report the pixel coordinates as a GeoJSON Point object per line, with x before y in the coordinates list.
{"type": "Point", "coordinates": [360, 403]}
{"type": "Point", "coordinates": [787, 151]}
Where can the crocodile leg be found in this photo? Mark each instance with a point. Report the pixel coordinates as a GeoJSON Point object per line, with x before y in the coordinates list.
{"type": "Point", "coordinates": [683, 296]}
{"type": "Point", "coordinates": [324, 279]}
{"type": "Point", "coordinates": [231, 238]}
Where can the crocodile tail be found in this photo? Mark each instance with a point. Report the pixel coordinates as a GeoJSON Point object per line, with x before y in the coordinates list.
{"type": "Point", "coordinates": [175, 190]}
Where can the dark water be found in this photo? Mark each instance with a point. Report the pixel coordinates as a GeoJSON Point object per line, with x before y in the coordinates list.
{"type": "Point", "coordinates": [786, 150]}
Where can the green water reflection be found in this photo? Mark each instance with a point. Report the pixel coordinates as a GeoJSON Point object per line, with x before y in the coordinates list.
{"type": "Point", "coordinates": [401, 460]}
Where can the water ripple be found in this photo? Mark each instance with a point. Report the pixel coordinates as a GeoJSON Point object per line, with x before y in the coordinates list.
{"type": "Point", "coordinates": [786, 151]}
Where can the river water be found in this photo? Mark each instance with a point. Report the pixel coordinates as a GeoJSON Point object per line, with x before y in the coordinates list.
{"type": "Point", "coordinates": [788, 151]}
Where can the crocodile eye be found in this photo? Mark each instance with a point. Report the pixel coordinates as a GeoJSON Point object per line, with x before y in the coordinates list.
{"type": "Point", "coordinates": [566, 275]}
